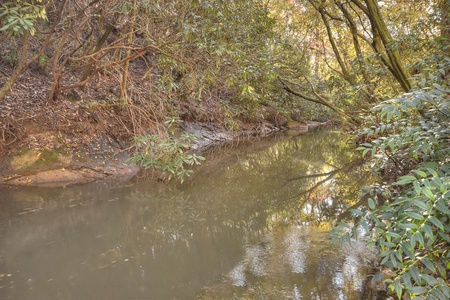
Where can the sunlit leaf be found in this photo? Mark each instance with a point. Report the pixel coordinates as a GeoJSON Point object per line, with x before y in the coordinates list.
{"type": "Point", "coordinates": [371, 203]}
{"type": "Point", "coordinates": [420, 173]}
{"type": "Point", "coordinates": [407, 179]}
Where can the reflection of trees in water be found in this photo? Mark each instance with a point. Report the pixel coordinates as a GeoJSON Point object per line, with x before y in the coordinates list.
{"type": "Point", "coordinates": [293, 262]}
{"type": "Point", "coordinates": [258, 188]}
{"type": "Point", "coordinates": [324, 196]}
{"type": "Point", "coordinates": [310, 178]}
{"type": "Point", "coordinates": [148, 232]}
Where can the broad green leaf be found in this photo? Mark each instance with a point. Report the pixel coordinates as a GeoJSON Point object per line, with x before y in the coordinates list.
{"type": "Point", "coordinates": [433, 172]}
{"type": "Point", "coordinates": [356, 212]}
{"type": "Point", "coordinates": [420, 173]}
{"type": "Point", "coordinates": [407, 225]}
{"type": "Point", "coordinates": [365, 226]}
{"type": "Point", "coordinates": [393, 234]}
{"type": "Point", "coordinates": [388, 244]}
{"type": "Point", "coordinates": [406, 280]}
{"type": "Point", "coordinates": [436, 222]}
{"type": "Point", "coordinates": [415, 274]}
{"type": "Point", "coordinates": [429, 279]}
{"type": "Point", "coordinates": [419, 204]}
{"type": "Point", "coordinates": [355, 233]}
{"type": "Point", "coordinates": [414, 215]}
{"type": "Point", "coordinates": [371, 203]}
{"type": "Point", "coordinates": [427, 230]}
{"type": "Point", "coordinates": [347, 237]}
{"type": "Point", "coordinates": [374, 150]}
{"type": "Point", "coordinates": [438, 294]}
{"type": "Point", "coordinates": [338, 229]}
{"type": "Point", "coordinates": [408, 250]}
{"type": "Point", "coordinates": [343, 224]}
{"type": "Point", "coordinates": [398, 289]}
{"type": "Point", "coordinates": [407, 179]}
{"type": "Point", "coordinates": [428, 264]}
{"type": "Point", "coordinates": [445, 236]}
{"type": "Point", "coordinates": [440, 205]}
{"type": "Point", "coordinates": [412, 241]}
{"type": "Point", "coordinates": [427, 192]}
{"type": "Point", "coordinates": [386, 253]}
{"type": "Point", "coordinates": [374, 218]}
{"type": "Point", "coordinates": [418, 290]}
{"type": "Point", "coordinates": [446, 290]}
{"type": "Point", "coordinates": [365, 152]}
{"type": "Point", "coordinates": [417, 188]}
{"type": "Point", "coordinates": [420, 238]}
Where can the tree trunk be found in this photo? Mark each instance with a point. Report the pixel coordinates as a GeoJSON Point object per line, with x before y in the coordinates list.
{"type": "Point", "coordinates": [354, 31]}
{"type": "Point", "coordinates": [19, 69]}
{"type": "Point", "coordinates": [345, 72]}
{"type": "Point", "coordinates": [379, 27]}
{"type": "Point", "coordinates": [123, 85]}
{"type": "Point", "coordinates": [100, 43]}
{"type": "Point", "coordinates": [444, 9]}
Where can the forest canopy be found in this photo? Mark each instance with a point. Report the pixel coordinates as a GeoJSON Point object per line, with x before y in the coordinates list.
{"type": "Point", "coordinates": [240, 60]}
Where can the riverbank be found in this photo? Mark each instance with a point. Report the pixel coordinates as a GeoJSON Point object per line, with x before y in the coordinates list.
{"type": "Point", "coordinates": [59, 159]}
{"type": "Point", "coordinates": [85, 133]}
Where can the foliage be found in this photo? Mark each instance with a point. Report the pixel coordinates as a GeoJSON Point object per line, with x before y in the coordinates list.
{"type": "Point", "coordinates": [351, 62]}
{"type": "Point", "coordinates": [166, 154]}
{"type": "Point", "coordinates": [409, 143]}
{"type": "Point", "coordinates": [202, 59]}
{"type": "Point", "coordinates": [237, 40]}
{"type": "Point", "coordinates": [18, 17]}
{"type": "Point", "coordinates": [194, 59]}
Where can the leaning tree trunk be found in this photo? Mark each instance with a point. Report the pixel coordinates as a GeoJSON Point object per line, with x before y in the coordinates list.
{"type": "Point", "coordinates": [444, 8]}
{"type": "Point", "coordinates": [379, 27]}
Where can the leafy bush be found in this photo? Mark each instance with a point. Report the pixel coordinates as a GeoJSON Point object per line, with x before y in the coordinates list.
{"type": "Point", "coordinates": [18, 17]}
{"type": "Point", "coordinates": [409, 217]}
{"type": "Point", "coordinates": [166, 154]}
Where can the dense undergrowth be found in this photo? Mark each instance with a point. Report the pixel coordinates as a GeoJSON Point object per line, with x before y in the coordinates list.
{"type": "Point", "coordinates": [408, 215]}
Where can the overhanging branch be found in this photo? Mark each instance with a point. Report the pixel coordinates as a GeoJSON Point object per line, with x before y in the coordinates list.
{"type": "Point", "coordinates": [322, 101]}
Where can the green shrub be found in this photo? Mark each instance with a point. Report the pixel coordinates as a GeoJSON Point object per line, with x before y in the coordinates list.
{"type": "Point", "coordinates": [18, 17]}
{"type": "Point", "coordinates": [409, 216]}
{"type": "Point", "coordinates": [166, 154]}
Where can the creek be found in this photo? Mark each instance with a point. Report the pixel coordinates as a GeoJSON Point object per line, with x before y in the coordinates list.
{"type": "Point", "coordinates": [250, 223]}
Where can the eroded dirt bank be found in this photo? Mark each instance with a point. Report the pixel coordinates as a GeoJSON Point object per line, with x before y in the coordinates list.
{"type": "Point", "coordinates": [49, 159]}
{"type": "Point", "coordinates": [56, 159]}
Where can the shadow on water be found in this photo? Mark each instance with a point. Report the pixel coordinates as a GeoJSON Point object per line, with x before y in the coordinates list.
{"type": "Point", "coordinates": [251, 223]}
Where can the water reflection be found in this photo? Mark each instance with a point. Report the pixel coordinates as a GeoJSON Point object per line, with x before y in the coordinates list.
{"type": "Point", "coordinates": [251, 223]}
{"type": "Point", "coordinates": [298, 264]}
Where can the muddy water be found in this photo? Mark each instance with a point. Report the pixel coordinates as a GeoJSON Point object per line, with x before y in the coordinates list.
{"type": "Point", "coordinates": [250, 224]}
